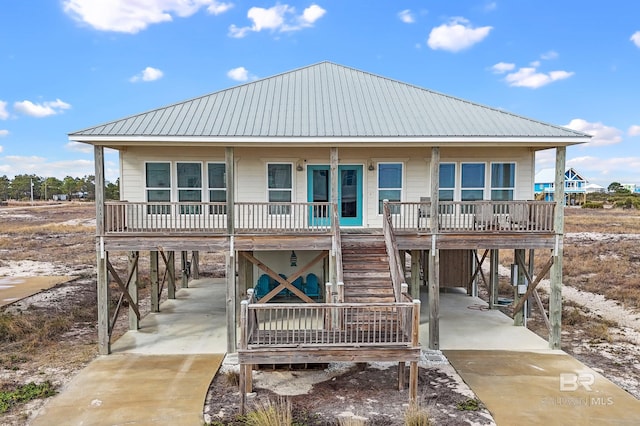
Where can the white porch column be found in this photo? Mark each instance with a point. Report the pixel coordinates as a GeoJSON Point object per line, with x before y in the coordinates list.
{"type": "Point", "coordinates": [231, 294]}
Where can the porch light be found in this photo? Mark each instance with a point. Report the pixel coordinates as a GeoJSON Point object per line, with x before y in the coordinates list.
{"type": "Point", "coordinates": [371, 166]}
{"type": "Point", "coordinates": [293, 259]}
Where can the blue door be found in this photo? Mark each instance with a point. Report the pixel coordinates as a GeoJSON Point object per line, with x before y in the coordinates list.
{"type": "Point", "coordinates": [349, 193]}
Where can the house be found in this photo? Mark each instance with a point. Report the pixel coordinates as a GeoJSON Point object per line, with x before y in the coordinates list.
{"type": "Point", "coordinates": [631, 187]}
{"type": "Point", "coordinates": [594, 188]}
{"type": "Point", "coordinates": [328, 175]}
{"type": "Point", "coordinates": [575, 186]}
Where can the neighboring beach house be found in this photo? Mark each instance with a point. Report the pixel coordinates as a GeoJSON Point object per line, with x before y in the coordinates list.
{"type": "Point", "coordinates": [319, 184]}
{"type": "Point", "coordinates": [575, 186]}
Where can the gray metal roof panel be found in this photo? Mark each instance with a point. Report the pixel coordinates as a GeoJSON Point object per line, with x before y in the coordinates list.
{"type": "Point", "coordinates": [328, 100]}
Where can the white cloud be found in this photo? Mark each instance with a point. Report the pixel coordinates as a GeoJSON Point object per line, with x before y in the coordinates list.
{"type": "Point", "coordinates": [3, 132]}
{"type": "Point", "coordinates": [634, 130]}
{"type": "Point", "coordinates": [79, 147]}
{"type": "Point", "coordinates": [606, 170]}
{"type": "Point", "coordinates": [635, 38]}
{"type": "Point", "coordinates": [406, 16]}
{"type": "Point", "coordinates": [549, 55]}
{"type": "Point", "coordinates": [1, 148]}
{"type": "Point", "coordinates": [13, 165]}
{"type": "Point", "coordinates": [217, 7]}
{"type": "Point", "coordinates": [490, 6]}
{"type": "Point", "coordinates": [128, 16]}
{"type": "Point", "coordinates": [531, 78]}
{"type": "Point", "coordinates": [279, 18]}
{"type": "Point", "coordinates": [456, 35]}
{"type": "Point", "coordinates": [502, 67]}
{"type": "Point", "coordinates": [43, 109]}
{"type": "Point", "coordinates": [147, 74]}
{"type": "Point", "coordinates": [238, 74]}
{"type": "Point", "coordinates": [4, 114]}
{"type": "Point", "coordinates": [602, 135]}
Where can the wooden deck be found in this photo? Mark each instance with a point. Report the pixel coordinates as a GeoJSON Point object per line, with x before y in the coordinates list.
{"type": "Point", "coordinates": [301, 333]}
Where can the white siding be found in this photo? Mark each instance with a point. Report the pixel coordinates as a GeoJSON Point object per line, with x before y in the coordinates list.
{"type": "Point", "coordinates": [251, 169]}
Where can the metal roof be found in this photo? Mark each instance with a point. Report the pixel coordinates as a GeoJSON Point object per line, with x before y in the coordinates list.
{"type": "Point", "coordinates": [326, 100]}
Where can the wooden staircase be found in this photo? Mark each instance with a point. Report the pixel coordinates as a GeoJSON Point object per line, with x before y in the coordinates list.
{"type": "Point", "coordinates": [365, 267]}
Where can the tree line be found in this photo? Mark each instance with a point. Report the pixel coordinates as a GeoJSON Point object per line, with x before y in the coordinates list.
{"type": "Point", "coordinates": [50, 188]}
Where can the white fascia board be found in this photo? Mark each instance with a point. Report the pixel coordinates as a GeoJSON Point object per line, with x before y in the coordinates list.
{"type": "Point", "coordinates": [455, 141]}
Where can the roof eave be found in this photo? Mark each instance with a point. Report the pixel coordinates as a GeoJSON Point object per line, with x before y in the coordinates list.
{"type": "Point", "coordinates": [536, 142]}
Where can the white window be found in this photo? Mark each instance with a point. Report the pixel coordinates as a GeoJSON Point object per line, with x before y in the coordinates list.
{"type": "Point", "coordinates": [217, 184]}
{"type": "Point", "coordinates": [389, 184]}
{"type": "Point", "coordinates": [189, 185]}
{"type": "Point", "coordinates": [503, 181]}
{"type": "Point", "coordinates": [279, 186]}
{"type": "Point", "coordinates": [158, 186]}
{"type": "Point", "coordinates": [472, 181]}
{"type": "Point", "coordinates": [447, 184]}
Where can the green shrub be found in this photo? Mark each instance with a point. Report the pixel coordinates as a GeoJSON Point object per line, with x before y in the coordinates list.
{"type": "Point", "coordinates": [593, 205]}
{"type": "Point", "coordinates": [25, 393]}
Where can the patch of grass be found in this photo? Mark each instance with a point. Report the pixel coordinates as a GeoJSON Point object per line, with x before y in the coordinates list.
{"type": "Point", "coordinates": [417, 416]}
{"type": "Point", "coordinates": [271, 414]}
{"type": "Point", "coordinates": [469, 404]}
{"type": "Point", "coordinates": [351, 421]}
{"type": "Point", "coordinates": [25, 393]}
{"type": "Point", "coordinates": [232, 377]}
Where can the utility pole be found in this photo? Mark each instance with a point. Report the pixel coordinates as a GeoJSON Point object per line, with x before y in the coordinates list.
{"type": "Point", "coordinates": [31, 180]}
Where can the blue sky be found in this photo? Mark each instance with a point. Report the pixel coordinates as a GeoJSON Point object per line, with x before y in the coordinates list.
{"type": "Point", "coordinates": [70, 64]}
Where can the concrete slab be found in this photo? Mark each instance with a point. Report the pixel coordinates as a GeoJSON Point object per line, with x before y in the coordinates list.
{"type": "Point", "coordinates": [466, 322]}
{"type": "Point", "coordinates": [135, 389]}
{"type": "Point", "coordinates": [157, 375]}
{"type": "Point", "coordinates": [193, 323]}
{"type": "Point", "coordinates": [543, 388]}
{"type": "Point", "coordinates": [13, 289]}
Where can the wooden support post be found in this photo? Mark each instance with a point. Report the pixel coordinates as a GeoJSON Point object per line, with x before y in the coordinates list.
{"type": "Point", "coordinates": [245, 278]}
{"type": "Point", "coordinates": [434, 254]}
{"type": "Point", "coordinates": [518, 316]}
{"type": "Point", "coordinates": [231, 302]}
{"type": "Point", "coordinates": [402, 255]}
{"type": "Point", "coordinates": [186, 268]}
{"type": "Point", "coordinates": [171, 274]}
{"type": "Point", "coordinates": [530, 268]}
{"type": "Point", "coordinates": [195, 265]}
{"type": "Point", "coordinates": [244, 326]}
{"type": "Point", "coordinates": [415, 341]}
{"type": "Point", "coordinates": [415, 274]}
{"type": "Point", "coordinates": [153, 277]}
{"type": "Point", "coordinates": [401, 375]}
{"type": "Point", "coordinates": [134, 322]}
{"type": "Point", "coordinates": [104, 333]}
{"type": "Point", "coordinates": [494, 278]}
{"type": "Point", "coordinates": [555, 296]}
{"type": "Point", "coordinates": [102, 282]}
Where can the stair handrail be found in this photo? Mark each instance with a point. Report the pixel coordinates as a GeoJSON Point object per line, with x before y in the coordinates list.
{"type": "Point", "coordinates": [397, 273]}
{"type": "Point", "coordinates": [336, 244]}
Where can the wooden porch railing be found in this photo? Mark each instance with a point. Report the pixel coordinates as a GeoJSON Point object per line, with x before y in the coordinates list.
{"type": "Point", "coordinates": [475, 216]}
{"type": "Point", "coordinates": [122, 217]}
{"type": "Point", "coordinates": [395, 266]}
{"type": "Point", "coordinates": [299, 325]}
{"type": "Point", "coordinates": [283, 217]}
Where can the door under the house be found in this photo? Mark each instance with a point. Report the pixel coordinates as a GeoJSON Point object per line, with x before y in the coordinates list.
{"type": "Point", "coordinates": [349, 193]}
